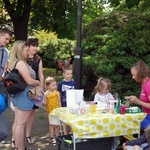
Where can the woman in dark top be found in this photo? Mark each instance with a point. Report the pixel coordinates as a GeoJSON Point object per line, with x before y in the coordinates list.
{"type": "Point", "coordinates": [36, 63]}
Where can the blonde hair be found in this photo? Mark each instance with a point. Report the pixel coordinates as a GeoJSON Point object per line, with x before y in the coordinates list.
{"type": "Point", "coordinates": [101, 84]}
{"type": "Point", "coordinates": [49, 80]}
{"type": "Point", "coordinates": [16, 53]}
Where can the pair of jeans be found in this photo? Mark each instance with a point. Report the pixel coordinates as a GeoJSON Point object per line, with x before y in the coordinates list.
{"type": "Point", "coordinates": [146, 122]}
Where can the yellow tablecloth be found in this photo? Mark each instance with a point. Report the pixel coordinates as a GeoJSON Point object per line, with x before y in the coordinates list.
{"type": "Point", "coordinates": [96, 125]}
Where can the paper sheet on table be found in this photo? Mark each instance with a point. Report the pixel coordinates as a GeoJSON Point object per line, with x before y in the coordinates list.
{"type": "Point", "coordinates": [74, 97]}
{"type": "Point", "coordinates": [101, 106]}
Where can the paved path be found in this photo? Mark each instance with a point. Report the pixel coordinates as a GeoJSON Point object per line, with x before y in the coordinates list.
{"type": "Point", "coordinates": [40, 131]}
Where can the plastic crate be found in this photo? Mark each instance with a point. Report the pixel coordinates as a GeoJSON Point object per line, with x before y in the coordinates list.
{"type": "Point", "coordinates": [65, 143]}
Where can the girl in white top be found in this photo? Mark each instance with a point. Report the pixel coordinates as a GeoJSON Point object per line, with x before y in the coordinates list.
{"type": "Point", "coordinates": [102, 97]}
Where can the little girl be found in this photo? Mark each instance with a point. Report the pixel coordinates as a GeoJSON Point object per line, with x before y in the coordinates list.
{"type": "Point", "coordinates": [52, 101]}
{"type": "Point", "coordinates": [102, 95]}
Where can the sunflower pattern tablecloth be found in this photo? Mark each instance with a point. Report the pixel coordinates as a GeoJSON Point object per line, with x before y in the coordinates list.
{"type": "Point", "coordinates": [98, 124]}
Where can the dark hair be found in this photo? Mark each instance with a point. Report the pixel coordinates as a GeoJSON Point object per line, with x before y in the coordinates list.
{"type": "Point", "coordinates": [142, 70]}
{"type": "Point", "coordinates": [6, 31]}
{"type": "Point", "coordinates": [33, 41]}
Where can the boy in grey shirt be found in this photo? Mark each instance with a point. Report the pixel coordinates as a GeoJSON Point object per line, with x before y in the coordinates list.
{"type": "Point", "coordinates": [5, 36]}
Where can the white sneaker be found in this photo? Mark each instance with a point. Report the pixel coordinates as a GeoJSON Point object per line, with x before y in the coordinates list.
{"type": "Point", "coordinates": [3, 142]}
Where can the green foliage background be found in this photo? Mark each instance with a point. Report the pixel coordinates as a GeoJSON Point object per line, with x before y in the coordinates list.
{"type": "Point", "coordinates": [114, 37]}
{"type": "Point", "coordinates": [56, 49]}
{"type": "Point", "coordinates": [111, 45]}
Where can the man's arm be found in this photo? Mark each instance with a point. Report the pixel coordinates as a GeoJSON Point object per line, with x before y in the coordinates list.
{"type": "Point", "coordinates": [5, 59]}
{"type": "Point", "coordinates": [5, 69]}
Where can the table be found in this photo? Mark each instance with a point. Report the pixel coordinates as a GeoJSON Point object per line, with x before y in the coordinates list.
{"type": "Point", "coordinates": [98, 124]}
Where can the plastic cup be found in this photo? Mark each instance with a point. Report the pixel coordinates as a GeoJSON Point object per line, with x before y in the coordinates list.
{"type": "Point", "coordinates": [92, 107]}
{"type": "Point", "coordinates": [122, 109]}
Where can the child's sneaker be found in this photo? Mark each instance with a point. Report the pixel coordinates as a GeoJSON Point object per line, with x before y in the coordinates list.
{"type": "Point", "coordinates": [53, 140]}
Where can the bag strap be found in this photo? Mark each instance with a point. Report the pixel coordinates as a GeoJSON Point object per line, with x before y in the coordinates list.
{"type": "Point", "coordinates": [16, 64]}
{"type": "Point", "coordinates": [2, 56]}
{"type": "Point", "coordinates": [9, 70]}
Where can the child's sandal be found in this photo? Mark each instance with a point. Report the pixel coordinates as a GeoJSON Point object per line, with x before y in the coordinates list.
{"type": "Point", "coordinates": [52, 140]}
{"type": "Point", "coordinates": [27, 148]}
{"type": "Point", "coordinates": [30, 140]}
{"type": "Point", "coordinates": [13, 144]}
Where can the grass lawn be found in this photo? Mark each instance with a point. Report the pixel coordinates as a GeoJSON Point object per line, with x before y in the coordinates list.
{"type": "Point", "coordinates": [52, 72]}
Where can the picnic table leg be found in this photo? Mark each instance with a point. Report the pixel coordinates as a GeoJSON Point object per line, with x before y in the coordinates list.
{"type": "Point", "coordinates": [61, 127]}
{"type": "Point", "coordinates": [74, 143]}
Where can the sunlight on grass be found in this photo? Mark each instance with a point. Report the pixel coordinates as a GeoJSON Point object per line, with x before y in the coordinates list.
{"type": "Point", "coordinates": [52, 72]}
{"type": "Point", "coordinates": [49, 72]}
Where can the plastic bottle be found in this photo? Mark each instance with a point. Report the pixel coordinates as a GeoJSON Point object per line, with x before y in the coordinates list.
{"type": "Point", "coordinates": [112, 107]}
{"type": "Point", "coordinates": [108, 106]}
{"type": "Point", "coordinates": [118, 105]}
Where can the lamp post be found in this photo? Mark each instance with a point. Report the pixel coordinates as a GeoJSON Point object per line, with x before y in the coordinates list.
{"type": "Point", "coordinates": [78, 50]}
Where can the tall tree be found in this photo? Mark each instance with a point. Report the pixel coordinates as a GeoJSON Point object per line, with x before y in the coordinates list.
{"type": "Point", "coordinates": [61, 16]}
{"type": "Point", "coordinates": [58, 16]}
{"type": "Point", "coordinates": [19, 12]}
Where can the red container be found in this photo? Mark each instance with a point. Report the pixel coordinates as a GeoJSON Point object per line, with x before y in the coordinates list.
{"type": "Point", "coordinates": [122, 109]}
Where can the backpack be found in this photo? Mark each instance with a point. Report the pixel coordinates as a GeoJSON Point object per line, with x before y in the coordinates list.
{"type": "Point", "coordinates": [13, 81]}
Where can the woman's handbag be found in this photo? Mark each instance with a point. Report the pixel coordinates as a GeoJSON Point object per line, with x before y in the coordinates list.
{"type": "Point", "coordinates": [4, 127]}
{"type": "Point", "coordinates": [36, 94]}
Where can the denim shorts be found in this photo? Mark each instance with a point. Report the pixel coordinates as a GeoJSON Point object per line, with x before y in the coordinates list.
{"type": "Point", "coordinates": [22, 101]}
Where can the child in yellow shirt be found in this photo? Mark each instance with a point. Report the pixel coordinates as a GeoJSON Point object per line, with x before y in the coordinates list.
{"type": "Point", "coordinates": [52, 100]}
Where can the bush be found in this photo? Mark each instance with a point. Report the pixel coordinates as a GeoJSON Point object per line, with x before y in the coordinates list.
{"type": "Point", "coordinates": [53, 48]}
{"type": "Point", "coordinates": [58, 49]}
{"type": "Point", "coordinates": [111, 45]}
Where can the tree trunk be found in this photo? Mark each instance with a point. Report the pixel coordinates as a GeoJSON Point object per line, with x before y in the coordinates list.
{"type": "Point", "coordinates": [19, 13]}
{"type": "Point", "coordinates": [20, 28]}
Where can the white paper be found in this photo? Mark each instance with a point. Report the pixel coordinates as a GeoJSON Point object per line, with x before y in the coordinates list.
{"type": "Point", "coordinates": [101, 106]}
{"type": "Point", "coordinates": [74, 97]}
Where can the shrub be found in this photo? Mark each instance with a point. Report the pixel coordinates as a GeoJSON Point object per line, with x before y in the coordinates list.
{"type": "Point", "coordinates": [111, 45]}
